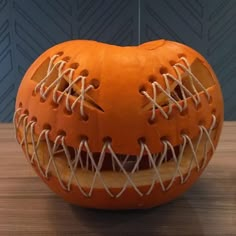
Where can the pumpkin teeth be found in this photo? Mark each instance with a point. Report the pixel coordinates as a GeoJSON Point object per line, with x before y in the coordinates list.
{"type": "Point", "coordinates": [87, 170]}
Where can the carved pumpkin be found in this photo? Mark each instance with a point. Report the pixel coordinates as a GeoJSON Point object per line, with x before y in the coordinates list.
{"type": "Point", "coordinates": [119, 127]}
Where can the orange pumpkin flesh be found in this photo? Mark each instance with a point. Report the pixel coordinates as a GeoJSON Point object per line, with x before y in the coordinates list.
{"type": "Point", "coordinates": [119, 127]}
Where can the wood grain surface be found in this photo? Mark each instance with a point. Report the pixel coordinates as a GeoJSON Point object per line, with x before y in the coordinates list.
{"type": "Point", "coordinates": [28, 207]}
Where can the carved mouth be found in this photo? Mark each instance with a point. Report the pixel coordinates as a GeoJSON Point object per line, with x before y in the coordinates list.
{"type": "Point", "coordinates": [109, 170]}
{"type": "Point", "coordinates": [126, 162]}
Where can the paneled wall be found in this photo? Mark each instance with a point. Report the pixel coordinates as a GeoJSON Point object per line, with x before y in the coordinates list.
{"type": "Point", "coordinates": [28, 27]}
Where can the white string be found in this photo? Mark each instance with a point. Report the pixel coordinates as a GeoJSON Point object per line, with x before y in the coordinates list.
{"type": "Point", "coordinates": [81, 97]}
{"type": "Point", "coordinates": [193, 157]}
{"type": "Point", "coordinates": [193, 77]}
{"type": "Point", "coordinates": [24, 141]}
{"type": "Point", "coordinates": [184, 88]}
{"type": "Point", "coordinates": [125, 161]}
{"type": "Point", "coordinates": [168, 93]}
{"type": "Point", "coordinates": [68, 90]}
{"type": "Point", "coordinates": [25, 137]}
{"type": "Point", "coordinates": [72, 168]}
{"type": "Point", "coordinates": [209, 140]}
{"type": "Point", "coordinates": [177, 162]}
{"type": "Point", "coordinates": [136, 166]}
{"type": "Point", "coordinates": [97, 167]}
{"type": "Point", "coordinates": [42, 83]}
{"type": "Point", "coordinates": [190, 76]}
{"type": "Point", "coordinates": [123, 170]}
{"type": "Point", "coordinates": [56, 83]}
{"type": "Point", "coordinates": [53, 150]}
{"type": "Point", "coordinates": [154, 105]}
{"type": "Point", "coordinates": [157, 175]}
{"type": "Point", "coordinates": [179, 81]}
{"type": "Point", "coordinates": [73, 174]}
{"type": "Point", "coordinates": [51, 160]}
{"type": "Point", "coordinates": [21, 118]}
{"type": "Point", "coordinates": [35, 149]}
{"type": "Point", "coordinates": [15, 117]}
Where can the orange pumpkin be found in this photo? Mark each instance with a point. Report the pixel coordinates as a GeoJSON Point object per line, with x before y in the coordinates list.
{"type": "Point", "coordinates": [119, 127]}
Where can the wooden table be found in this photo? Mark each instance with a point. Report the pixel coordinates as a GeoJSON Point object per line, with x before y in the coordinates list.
{"type": "Point", "coordinates": [28, 207]}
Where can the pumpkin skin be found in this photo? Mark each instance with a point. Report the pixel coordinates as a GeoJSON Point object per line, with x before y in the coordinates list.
{"type": "Point", "coordinates": [116, 115]}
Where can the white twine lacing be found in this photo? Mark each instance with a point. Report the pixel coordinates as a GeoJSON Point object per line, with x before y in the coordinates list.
{"type": "Point", "coordinates": [119, 162]}
{"type": "Point", "coordinates": [69, 72]}
{"type": "Point", "coordinates": [172, 96]}
{"type": "Point", "coordinates": [156, 161]}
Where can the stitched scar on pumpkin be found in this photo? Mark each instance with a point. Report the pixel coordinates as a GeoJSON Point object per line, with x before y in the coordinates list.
{"type": "Point", "coordinates": [77, 165]}
{"type": "Point", "coordinates": [201, 73]}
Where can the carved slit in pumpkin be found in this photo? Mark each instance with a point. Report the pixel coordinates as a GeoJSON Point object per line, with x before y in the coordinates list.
{"type": "Point", "coordinates": [198, 69]}
{"type": "Point", "coordinates": [128, 162]}
{"type": "Point", "coordinates": [111, 174]}
{"type": "Point", "coordinates": [143, 175]}
{"type": "Point", "coordinates": [63, 84]}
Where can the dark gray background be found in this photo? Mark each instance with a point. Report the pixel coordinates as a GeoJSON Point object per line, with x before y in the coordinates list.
{"type": "Point", "coordinates": [28, 27]}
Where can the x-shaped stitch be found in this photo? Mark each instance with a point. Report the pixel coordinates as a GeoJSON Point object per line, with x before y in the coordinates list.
{"type": "Point", "coordinates": [97, 167]}
{"type": "Point", "coordinates": [51, 158]}
{"type": "Point", "coordinates": [193, 156]}
{"type": "Point", "coordinates": [34, 154]}
{"type": "Point", "coordinates": [77, 159]}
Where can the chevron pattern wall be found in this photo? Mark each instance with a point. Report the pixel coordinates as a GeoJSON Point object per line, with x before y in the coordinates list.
{"type": "Point", "coordinates": [27, 28]}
